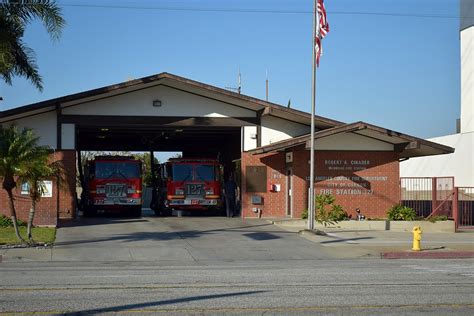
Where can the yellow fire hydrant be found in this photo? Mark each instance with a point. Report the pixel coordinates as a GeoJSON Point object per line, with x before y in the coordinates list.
{"type": "Point", "coordinates": [416, 238]}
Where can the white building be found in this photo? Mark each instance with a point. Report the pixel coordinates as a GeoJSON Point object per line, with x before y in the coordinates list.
{"type": "Point", "coordinates": [460, 164]}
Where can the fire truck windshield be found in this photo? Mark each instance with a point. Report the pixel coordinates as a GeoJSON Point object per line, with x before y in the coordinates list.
{"type": "Point", "coordinates": [182, 172]}
{"type": "Point", "coordinates": [105, 170]}
{"type": "Point", "coordinates": [192, 172]}
{"type": "Point", "coordinates": [205, 173]}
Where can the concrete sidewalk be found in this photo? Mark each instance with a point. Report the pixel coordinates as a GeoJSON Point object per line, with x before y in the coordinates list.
{"type": "Point", "coordinates": [386, 244]}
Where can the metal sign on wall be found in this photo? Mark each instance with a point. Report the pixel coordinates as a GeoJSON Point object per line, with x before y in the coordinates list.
{"type": "Point", "coordinates": [46, 186]}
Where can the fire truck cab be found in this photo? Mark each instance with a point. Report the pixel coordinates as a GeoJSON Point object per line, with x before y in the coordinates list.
{"type": "Point", "coordinates": [113, 184]}
{"type": "Point", "coordinates": [191, 184]}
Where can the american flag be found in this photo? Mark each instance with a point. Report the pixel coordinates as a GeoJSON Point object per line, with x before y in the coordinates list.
{"type": "Point", "coordinates": [322, 29]}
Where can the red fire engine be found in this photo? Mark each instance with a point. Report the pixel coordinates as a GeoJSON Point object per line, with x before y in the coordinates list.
{"type": "Point", "coordinates": [113, 183]}
{"type": "Point", "coordinates": [191, 184]}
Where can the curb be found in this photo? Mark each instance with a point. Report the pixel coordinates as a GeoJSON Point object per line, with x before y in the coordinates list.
{"type": "Point", "coordinates": [428, 255]}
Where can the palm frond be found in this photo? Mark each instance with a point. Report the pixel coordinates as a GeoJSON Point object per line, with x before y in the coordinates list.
{"type": "Point", "coordinates": [25, 11]}
{"type": "Point", "coordinates": [16, 59]}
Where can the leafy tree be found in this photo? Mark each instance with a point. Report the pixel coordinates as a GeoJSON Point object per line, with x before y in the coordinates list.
{"type": "Point", "coordinates": [146, 162]}
{"type": "Point", "coordinates": [18, 150]}
{"type": "Point", "coordinates": [17, 59]}
{"type": "Point", "coordinates": [36, 171]}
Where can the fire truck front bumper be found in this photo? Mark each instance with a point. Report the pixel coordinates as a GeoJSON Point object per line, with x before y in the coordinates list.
{"type": "Point", "coordinates": [192, 202]}
{"type": "Point", "coordinates": [118, 201]}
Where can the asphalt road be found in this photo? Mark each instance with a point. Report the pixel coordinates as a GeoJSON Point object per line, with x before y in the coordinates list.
{"type": "Point", "coordinates": [303, 287]}
{"type": "Point", "coordinates": [215, 266]}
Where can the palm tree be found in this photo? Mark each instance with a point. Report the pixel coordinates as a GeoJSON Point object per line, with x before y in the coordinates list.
{"type": "Point", "coordinates": [17, 59]}
{"type": "Point", "coordinates": [18, 149]}
{"type": "Point", "coordinates": [36, 171]}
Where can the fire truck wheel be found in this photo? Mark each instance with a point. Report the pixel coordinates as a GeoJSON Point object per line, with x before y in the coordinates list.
{"type": "Point", "coordinates": [136, 211]}
{"type": "Point", "coordinates": [90, 211]}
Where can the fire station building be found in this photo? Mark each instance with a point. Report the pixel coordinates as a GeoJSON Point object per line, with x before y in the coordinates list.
{"type": "Point", "coordinates": [268, 144]}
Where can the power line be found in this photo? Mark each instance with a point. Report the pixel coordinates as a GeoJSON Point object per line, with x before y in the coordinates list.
{"type": "Point", "coordinates": [257, 11]}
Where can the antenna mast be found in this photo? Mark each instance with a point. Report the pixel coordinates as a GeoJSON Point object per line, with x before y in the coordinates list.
{"type": "Point", "coordinates": [239, 84]}
{"type": "Point", "coordinates": [266, 85]}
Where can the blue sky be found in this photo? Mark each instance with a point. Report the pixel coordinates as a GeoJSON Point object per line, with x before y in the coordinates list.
{"type": "Point", "coordinates": [398, 69]}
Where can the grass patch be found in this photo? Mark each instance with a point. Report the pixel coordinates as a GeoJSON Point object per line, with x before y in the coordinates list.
{"type": "Point", "coordinates": [40, 234]}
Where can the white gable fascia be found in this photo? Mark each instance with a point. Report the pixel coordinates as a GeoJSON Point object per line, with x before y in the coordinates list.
{"type": "Point", "coordinates": [351, 142]}
{"type": "Point", "coordinates": [275, 129]}
{"type": "Point", "coordinates": [44, 126]}
{"type": "Point", "coordinates": [173, 103]}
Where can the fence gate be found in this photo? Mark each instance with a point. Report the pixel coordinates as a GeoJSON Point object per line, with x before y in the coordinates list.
{"type": "Point", "coordinates": [438, 196]}
{"type": "Point", "coordinates": [428, 196]}
{"type": "Point", "coordinates": [465, 197]}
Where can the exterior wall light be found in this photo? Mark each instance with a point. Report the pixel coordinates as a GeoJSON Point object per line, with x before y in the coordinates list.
{"type": "Point", "coordinates": [156, 103]}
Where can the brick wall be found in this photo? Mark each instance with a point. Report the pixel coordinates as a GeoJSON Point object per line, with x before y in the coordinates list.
{"type": "Point", "coordinates": [275, 203]}
{"type": "Point", "coordinates": [67, 191]}
{"type": "Point", "coordinates": [365, 180]}
{"type": "Point", "coordinates": [47, 209]}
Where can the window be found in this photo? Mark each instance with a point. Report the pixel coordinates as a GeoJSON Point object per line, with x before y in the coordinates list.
{"type": "Point", "coordinates": [126, 170]}
{"type": "Point", "coordinates": [181, 172]}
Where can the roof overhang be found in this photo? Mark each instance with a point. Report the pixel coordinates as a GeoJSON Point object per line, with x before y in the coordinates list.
{"type": "Point", "coordinates": [407, 146]}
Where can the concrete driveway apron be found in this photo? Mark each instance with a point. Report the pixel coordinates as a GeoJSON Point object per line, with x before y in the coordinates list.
{"type": "Point", "coordinates": [180, 239]}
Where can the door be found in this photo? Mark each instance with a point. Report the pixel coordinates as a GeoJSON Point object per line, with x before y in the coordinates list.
{"type": "Point", "coordinates": [289, 192]}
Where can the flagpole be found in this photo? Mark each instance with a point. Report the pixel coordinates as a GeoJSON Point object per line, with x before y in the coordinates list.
{"type": "Point", "coordinates": [311, 208]}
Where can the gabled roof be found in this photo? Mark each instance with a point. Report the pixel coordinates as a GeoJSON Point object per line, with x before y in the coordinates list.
{"type": "Point", "coordinates": [180, 83]}
{"type": "Point", "coordinates": [408, 146]}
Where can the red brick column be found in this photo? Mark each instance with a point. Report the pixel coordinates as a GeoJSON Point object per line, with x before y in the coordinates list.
{"type": "Point", "coordinates": [275, 202]}
{"type": "Point", "coordinates": [67, 192]}
{"type": "Point", "coordinates": [300, 181]}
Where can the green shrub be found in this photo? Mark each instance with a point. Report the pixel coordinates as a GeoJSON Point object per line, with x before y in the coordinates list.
{"type": "Point", "coordinates": [326, 211]}
{"type": "Point", "coordinates": [337, 213]}
{"type": "Point", "coordinates": [401, 213]}
{"type": "Point", "coordinates": [434, 219]}
{"type": "Point", "coordinates": [6, 221]}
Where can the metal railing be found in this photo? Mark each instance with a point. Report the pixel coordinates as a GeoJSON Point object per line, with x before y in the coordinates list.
{"type": "Point", "coordinates": [465, 204]}
{"type": "Point", "coordinates": [438, 196]}
{"type": "Point", "coordinates": [428, 196]}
